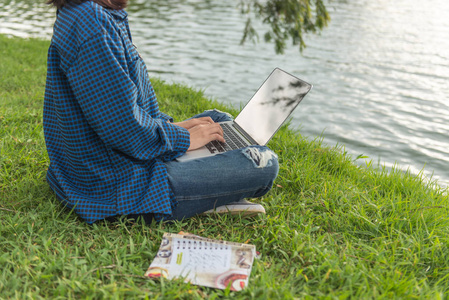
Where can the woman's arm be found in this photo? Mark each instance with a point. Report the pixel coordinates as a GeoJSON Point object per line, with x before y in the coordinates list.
{"type": "Point", "coordinates": [109, 98]}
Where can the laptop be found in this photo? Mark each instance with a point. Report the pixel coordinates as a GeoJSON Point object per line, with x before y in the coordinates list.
{"type": "Point", "coordinates": [261, 117]}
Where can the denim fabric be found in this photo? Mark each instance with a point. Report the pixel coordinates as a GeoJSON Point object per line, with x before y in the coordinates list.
{"type": "Point", "coordinates": [203, 184]}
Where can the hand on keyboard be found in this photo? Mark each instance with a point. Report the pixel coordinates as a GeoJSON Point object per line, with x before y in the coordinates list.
{"type": "Point", "coordinates": [202, 134]}
{"type": "Point", "coordinates": [233, 141]}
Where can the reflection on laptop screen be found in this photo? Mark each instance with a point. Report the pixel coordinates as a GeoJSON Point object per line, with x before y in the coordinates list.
{"type": "Point", "coordinates": [271, 105]}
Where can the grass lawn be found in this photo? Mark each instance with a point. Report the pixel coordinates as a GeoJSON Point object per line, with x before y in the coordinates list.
{"type": "Point", "coordinates": [333, 229]}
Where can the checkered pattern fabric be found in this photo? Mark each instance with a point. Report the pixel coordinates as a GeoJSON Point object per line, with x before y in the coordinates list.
{"type": "Point", "coordinates": [106, 138]}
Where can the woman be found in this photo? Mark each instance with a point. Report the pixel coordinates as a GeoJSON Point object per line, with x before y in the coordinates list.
{"type": "Point", "coordinates": [112, 152]}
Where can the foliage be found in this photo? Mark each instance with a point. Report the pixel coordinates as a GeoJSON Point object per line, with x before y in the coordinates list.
{"type": "Point", "coordinates": [288, 19]}
{"type": "Point", "coordinates": [333, 230]}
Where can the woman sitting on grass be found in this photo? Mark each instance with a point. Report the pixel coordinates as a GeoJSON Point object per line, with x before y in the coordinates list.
{"type": "Point", "coordinates": [112, 152]}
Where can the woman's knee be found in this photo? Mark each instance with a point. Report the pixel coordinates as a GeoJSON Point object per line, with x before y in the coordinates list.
{"type": "Point", "coordinates": [265, 166]}
{"type": "Point", "coordinates": [264, 163]}
{"type": "Point", "coordinates": [262, 157]}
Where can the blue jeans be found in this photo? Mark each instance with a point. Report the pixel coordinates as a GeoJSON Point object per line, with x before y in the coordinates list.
{"type": "Point", "coordinates": [203, 184]}
{"type": "Point", "coordinates": [206, 183]}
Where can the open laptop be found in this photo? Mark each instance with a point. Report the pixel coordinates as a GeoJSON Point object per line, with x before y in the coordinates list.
{"type": "Point", "coordinates": [261, 117]}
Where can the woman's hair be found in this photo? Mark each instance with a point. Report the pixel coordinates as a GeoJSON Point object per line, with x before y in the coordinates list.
{"type": "Point", "coordinates": [112, 4]}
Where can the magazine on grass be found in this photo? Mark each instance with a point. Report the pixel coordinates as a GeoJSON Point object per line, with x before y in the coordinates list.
{"type": "Point", "coordinates": [203, 261]}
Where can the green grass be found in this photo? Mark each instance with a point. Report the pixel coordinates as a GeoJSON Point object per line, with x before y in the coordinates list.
{"type": "Point", "coordinates": [333, 229]}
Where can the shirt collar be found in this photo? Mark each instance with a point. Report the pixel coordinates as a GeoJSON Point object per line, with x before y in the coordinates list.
{"type": "Point", "coordinates": [119, 14]}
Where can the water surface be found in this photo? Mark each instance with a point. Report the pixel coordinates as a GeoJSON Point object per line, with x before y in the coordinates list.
{"type": "Point", "coordinates": [380, 70]}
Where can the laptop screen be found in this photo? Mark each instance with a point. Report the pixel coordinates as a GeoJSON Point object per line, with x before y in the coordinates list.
{"type": "Point", "coordinates": [271, 105]}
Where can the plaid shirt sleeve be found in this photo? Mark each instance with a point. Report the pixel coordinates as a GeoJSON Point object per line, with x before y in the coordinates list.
{"type": "Point", "coordinates": [110, 101]}
{"type": "Point", "coordinates": [105, 136]}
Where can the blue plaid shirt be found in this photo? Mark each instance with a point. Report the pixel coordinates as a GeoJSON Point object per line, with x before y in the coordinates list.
{"type": "Point", "coordinates": [106, 138]}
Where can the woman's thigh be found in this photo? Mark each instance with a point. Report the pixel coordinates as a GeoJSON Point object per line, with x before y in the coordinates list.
{"type": "Point", "coordinates": [205, 183]}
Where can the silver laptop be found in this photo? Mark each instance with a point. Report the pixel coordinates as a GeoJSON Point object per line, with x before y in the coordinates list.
{"type": "Point", "coordinates": [261, 117]}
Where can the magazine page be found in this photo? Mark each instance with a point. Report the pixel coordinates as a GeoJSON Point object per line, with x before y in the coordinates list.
{"type": "Point", "coordinates": [202, 261]}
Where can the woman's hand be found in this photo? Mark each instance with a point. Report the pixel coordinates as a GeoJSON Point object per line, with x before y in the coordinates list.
{"type": "Point", "coordinates": [202, 131]}
{"type": "Point", "coordinates": [202, 134]}
{"type": "Point", "coordinates": [187, 124]}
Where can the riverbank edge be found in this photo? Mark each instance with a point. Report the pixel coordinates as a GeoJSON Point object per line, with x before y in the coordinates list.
{"type": "Point", "coordinates": [332, 228]}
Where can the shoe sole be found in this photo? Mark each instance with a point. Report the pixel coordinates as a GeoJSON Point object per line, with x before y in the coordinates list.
{"type": "Point", "coordinates": [230, 209]}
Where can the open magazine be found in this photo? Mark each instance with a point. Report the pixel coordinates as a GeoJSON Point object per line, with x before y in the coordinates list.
{"type": "Point", "coordinates": [203, 261]}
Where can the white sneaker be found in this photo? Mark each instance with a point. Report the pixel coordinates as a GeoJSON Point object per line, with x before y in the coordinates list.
{"type": "Point", "coordinates": [243, 207]}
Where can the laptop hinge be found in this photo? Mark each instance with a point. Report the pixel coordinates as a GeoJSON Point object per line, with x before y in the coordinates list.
{"type": "Point", "coordinates": [245, 135]}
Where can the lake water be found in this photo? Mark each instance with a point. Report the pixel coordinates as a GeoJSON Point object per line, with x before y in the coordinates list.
{"type": "Point", "coordinates": [380, 70]}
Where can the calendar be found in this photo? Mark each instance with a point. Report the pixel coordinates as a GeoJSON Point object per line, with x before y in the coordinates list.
{"type": "Point", "coordinates": [202, 261]}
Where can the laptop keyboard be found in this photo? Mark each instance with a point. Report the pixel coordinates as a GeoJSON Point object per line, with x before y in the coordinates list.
{"type": "Point", "coordinates": [233, 141]}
